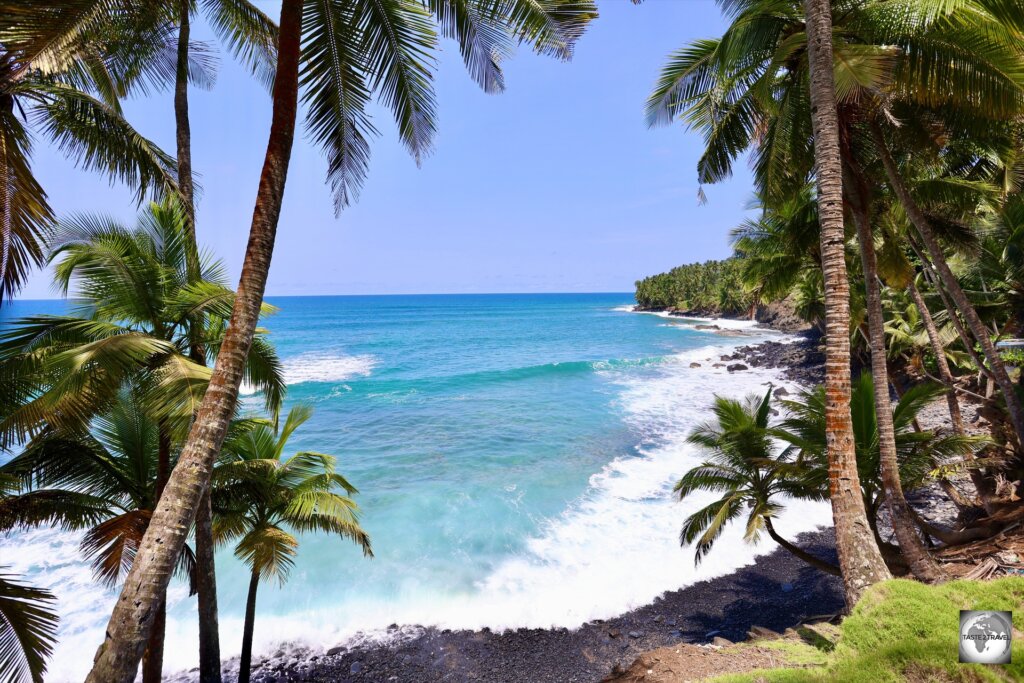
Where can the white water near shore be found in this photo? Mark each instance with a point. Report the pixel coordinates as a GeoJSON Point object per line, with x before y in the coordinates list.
{"type": "Point", "coordinates": [613, 548]}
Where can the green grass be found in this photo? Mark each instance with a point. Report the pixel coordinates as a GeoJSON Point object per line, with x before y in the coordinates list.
{"type": "Point", "coordinates": [904, 630]}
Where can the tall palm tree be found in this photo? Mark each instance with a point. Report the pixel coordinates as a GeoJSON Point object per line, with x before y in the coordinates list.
{"type": "Point", "coordinates": [769, 76]}
{"type": "Point", "coordinates": [343, 52]}
{"type": "Point", "coordinates": [949, 281]}
{"type": "Point", "coordinates": [260, 495]}
{"type": "Point", "coordinates": [253, 37]}
{"type": "Point", "coordinates": [859, 556]}
{"type": "Point", "coordinates": [28, 630]}
{"type": "Point", "coordinates": [751, 87]}
{"type": "Point", "coordinates": [744, 467]}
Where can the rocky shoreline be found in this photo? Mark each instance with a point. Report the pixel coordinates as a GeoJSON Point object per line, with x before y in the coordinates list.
{"type": "Point", "coordinates": [778, 591]}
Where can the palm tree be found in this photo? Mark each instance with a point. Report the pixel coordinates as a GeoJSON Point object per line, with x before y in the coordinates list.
{"type": "Point", "coordinates": [950, 283]}
{"type": "Point", "coordinates": [920, 560]}
{"type": "Point", "coordinates": [105, 481]}
{"type": "Point", "coordinates": [28, 627]}
{"type": "Point", "coordinates": [260, 495]}
{"type": "Point", "coordinates": [141, 313]}
{"type": "Point", "coordinates": [253, 37]}
{"type": "Point", "coordinates": [918, 452]}
{"type": "Point", "coordinates": [54, 75]}
{"type": "Point", "coordinates": [344, 53]}
{"type": "Point", "coordinates": [751, 86]}
{"type": "Point", "coordinates": [742, 465]}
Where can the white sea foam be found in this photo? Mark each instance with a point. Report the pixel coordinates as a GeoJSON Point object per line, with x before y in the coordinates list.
{"type": "Point", "coordinates": [320, 367]}
{"type": "Point", "coordinates": [613, 549]}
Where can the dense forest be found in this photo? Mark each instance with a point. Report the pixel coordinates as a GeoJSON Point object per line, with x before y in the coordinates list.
{"type": "Point", "coordinates": [712, 287]}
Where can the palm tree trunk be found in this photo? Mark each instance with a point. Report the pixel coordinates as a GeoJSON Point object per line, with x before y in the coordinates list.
{"type": "Point", "coordinates": [132, 619]}
{"type": "Point", "coordinates": [206, 575]}
{"type": "Point", "coordinates": [245, 661]}
{"type": "Point", "coordinates": [921, 563]}
{"type": "Point", "coordinates": [955, 416]}
{"type": "Point", "coordinates": [5, 209]}
{"type": "Point", "coordinates": [183, 132]}
{"type": "Point", "coordinates": [153, 658]}
{"type": "Point", "coordinates": [954, 317]}
{"type": "Point", "coordinates": [859, 557]}
{"type": "Point", "coordinates": [206, 585]}
{"type": "Point", "coordinates": [826, 567]}
{"type": "Point", "coordinates": [952, 286]}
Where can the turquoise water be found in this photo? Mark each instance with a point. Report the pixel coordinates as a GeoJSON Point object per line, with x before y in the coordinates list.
{"type": "Point", "coordinates": [514, 453]}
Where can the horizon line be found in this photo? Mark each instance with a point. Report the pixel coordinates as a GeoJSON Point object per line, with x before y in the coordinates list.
{"type": "Point", "coordinates": [299, 296]}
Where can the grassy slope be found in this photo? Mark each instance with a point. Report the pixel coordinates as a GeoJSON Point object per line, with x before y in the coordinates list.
{"type": "Point", "coordinates": [905, 630]}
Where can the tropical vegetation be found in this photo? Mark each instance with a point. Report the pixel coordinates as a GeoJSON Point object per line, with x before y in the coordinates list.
{"type": "Point", "coordinates": [906, 174]}
{"type": "Point", "coordinates": [885, 138]}
{"type": "Point", "coordinates": [709, 288]}
{"type": "Point", "coordinates": [261, 498]}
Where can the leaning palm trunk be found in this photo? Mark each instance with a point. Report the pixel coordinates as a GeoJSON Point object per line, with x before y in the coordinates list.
{"type": "Point", "coordinates": [132, 619]}
{"type": "Point", "coordinates": [800, 552]}
{"type": "Point", "coordinates": [956, 417]}
{"type": "Point", "coordinates": [206, 579]}
{"type": "Point", "coordinates": [245, 660]}
{"type": "Point", "coordinates": [952, 286]}
{"type": "Point", "coordinates": [939, 351]}
{"type": "Point", "coordinates": [921, 563]}
{"type": "Point", "coordinates": [859, 557]}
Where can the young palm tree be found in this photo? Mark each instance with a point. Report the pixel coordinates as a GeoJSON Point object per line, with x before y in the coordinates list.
{"type": "Point", "coordinates": [744, 467]}
{"type": "Point", "coordinates": [343, 53]}
{"type": "Point", "coordinates": [260, 496]}
{"type": "Point", "coordinates": [28, 630]}
{"type": "Point", "coordinates": [136, 309]}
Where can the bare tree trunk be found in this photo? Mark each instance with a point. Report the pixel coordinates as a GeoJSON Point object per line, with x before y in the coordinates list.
{"type": "Point", "coordinates": [859, 557]}
{"type": "Point", "coordinates": [118, 657]}
{"type": "Point", "coordinates": [949, 281]}
{"type": "Point", "coordinates": [245, 661]}
{"type": "Point", "coordinates": [921, 563]}
{"type": "Point", "coordinates": [206, 574]}
{"type": "Point", "coordinates": [797, 551]}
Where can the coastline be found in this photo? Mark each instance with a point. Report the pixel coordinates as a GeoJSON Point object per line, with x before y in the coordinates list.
{"type": "Point", "coordinates": [775, 591]}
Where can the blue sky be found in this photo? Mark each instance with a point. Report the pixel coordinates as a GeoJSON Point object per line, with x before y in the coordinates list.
{"type": "Point", "coordinates": [556, 185]}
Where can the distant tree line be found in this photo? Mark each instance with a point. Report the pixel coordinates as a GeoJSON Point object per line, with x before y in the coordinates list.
{"type": "Point", "coordinates": [713, 287]}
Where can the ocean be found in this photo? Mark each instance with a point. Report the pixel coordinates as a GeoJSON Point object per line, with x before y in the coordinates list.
{"type": "Point", "coordinates": [515, 456]}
